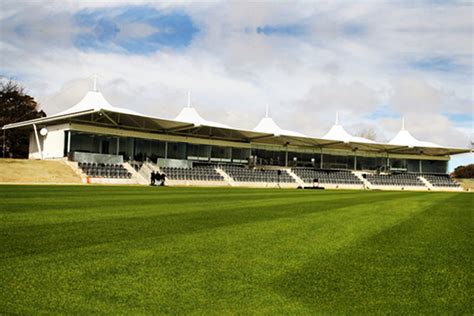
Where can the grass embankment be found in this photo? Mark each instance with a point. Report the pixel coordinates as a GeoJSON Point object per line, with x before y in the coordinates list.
{"type": "Point", "coordinates": [129, 250]}
{"type": "Point", "coordinates": [36, 171]}
{"type": "Point", "coordinates": [466, 183]}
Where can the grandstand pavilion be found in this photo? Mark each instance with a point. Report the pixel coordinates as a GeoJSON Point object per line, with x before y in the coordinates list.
{"type": "Point", "coordinates": [108, 144]}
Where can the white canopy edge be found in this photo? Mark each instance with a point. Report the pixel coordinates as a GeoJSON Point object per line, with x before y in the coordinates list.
{"type": "Point", "coordinates": [190, 115]}
{"type": "Point", "coordinates": [268, 125]}
{"type": "Point", "coordinates": [94, 102]}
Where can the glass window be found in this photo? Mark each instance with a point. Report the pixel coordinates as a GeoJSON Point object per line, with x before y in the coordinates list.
{"type": "Point", "coordinates": [434, 166]}
{"type": "Point", "coordinates": [413, 165]}
{"type": "Point", "coordinates": [338, 162]}
{"type": "Point", "coordinates": [371, 163]}
{"type": "Point", "coordinates": [177, 150]}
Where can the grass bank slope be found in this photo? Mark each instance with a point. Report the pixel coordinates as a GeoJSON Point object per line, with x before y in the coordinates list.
{"type": "Point", "coordinates": [36, 171]}
{"type": "Point", "coordinates": [466, 183]}
{"type": "Point", "coordinates": [146, 250]}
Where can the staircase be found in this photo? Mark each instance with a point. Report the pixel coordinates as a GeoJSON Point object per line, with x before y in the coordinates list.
{"type": "Point", "coordinates": [136, 176]}
{"type": "Point", "coordinates": [426, 182]}
{"type": "Point", "coordinates": [151, 165]}
{"type": "Point", "coordinates": [295, 177]}
{"type": "Point", "coordinates": [75, 167]}
{"type": "Point", "coordinates": [227, 178]}
{"type": "Point", "coordinates": [359, 176]}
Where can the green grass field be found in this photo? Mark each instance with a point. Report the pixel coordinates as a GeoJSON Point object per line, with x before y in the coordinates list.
{"type": "Point", "coordinates": [144, 250]}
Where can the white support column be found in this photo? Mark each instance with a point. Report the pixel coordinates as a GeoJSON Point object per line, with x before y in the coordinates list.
{"type": "Point", "coordinates": [68, 149]}
{"type": "Point", "coordinates": [321, 162]}
{"type": "Point", "coordinates": [355, 161]}
{"type": "Point", "coordinates": [38, 141]}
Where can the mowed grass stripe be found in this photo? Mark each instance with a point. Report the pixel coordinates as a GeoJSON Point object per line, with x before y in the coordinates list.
{"type": "Point", "coordinates": [35, 238]}
{"type": "Point", "coordinates": [246, 259]}
{"type": "Point", "coordinates": [420, 266]}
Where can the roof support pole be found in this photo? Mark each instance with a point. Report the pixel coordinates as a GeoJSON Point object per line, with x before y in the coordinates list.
{"type": "Point", "coordinates": [321, 163]}
{"type": "Point", "coordinates": [355, 161]}
{"type": "Point", "coordinates": [38, 141]}
{"type": "Point", "coordinates": [4, 143]}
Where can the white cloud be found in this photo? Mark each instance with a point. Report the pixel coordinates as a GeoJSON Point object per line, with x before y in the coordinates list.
{"type": "Point", "coordinates": [353, 58]}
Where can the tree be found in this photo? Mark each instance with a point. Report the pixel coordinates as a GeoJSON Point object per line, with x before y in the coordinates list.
{"type": "Point", "coordinates": [16, 106]}
{"type": "Point", "coordinates": [464, 172]}
{"type": "Point", "coordinates": [368, 133]}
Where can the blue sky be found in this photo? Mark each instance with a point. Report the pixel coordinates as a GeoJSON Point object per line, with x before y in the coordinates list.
{"type": "Point", "coordinates": [101, 29]}
{"type": "Point", "coordinates": [373, 62]}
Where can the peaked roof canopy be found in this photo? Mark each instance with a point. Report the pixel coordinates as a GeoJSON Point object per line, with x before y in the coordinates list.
{"type": "Point", "coordinates": [404, 138]}
{"type": "Point", "coordinates": [337, 132]}
{"type": "Point", "coordinates": [94, 100]}
{"type": "Point", "coordinates": [190, 115]}
{"type": "Point", "coordinates": [94, 109]}
{"type": "Point", "coordinates": [268, 125]}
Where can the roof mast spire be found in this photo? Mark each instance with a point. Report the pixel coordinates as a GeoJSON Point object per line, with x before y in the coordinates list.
{"type": "Point", "coordinates": [95, 83]}
{"type": "Point", "coordinates": [266, 110]}
{"type": "Point", "coordinates": [337, 118]}
{"type": "Point", "coordinates": [189, 98]}
{"type": "Point", "coordinates": [403, 123]}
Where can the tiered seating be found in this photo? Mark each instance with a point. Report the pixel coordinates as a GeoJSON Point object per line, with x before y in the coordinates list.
{"type": "Point", "coordinates": [441, 180]}
{"type": "Point", "coordinates": [399, 180]}
{"type": "Point", "coordinates": [196, 173]}
{"type": "Point", "coordinates": [100, 170]}
{"type": "Point", "coordinates": [244, 174]}
{"type": "Point", "coordinates": [308, 175]}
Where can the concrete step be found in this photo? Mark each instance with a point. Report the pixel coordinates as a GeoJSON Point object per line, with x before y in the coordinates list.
{"type": "Point", "coordinates": [426, 182]}
{"type": "Point", "coordinates": [226, 176]}
{"type": "Point", "coordinates": [360, 176]}
{"type": "Point", "coordinates": [137, 177]}
{"type": "Point", "coordinates": [298, 180]}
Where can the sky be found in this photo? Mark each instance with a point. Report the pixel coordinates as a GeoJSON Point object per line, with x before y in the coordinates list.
{"type": "Point", "coordinates": [374, 62]}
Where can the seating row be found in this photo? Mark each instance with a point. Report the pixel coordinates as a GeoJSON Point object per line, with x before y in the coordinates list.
{"type": "Point", "coordinates": [98, 170]}
{"type": "Point", "coordinates": [197, 173]}
{"type": "Point", "coordinates": [245, 174]}
{"type": "Point", "coordinates": [309, 175]}
{"type": "Point", "coordinates": [441, 180]}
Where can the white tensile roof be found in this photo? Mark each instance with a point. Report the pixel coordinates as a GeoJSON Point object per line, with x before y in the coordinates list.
{"type": "Point", "coordinates": [94, 100]}
{"type": "Point", "coordinates": [190, 115]}
{"type": "Point", "coordinates": [404, 138]}
{"type": "Point", "coordinates": [267, 131]}
{"type": "Point", "coordinates": [268, 125]}
{"type": "Point", "coordinates": [337, 132]}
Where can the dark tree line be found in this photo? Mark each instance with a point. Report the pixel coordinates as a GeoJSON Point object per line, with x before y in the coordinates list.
{"type": "Point", "coordinates": [464, 172]}
{"type": "Point", "coordinates": [16, 106]}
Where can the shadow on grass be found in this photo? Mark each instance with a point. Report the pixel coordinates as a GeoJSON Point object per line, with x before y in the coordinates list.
{"type": "Point", "coordinates": [33, 239]}
{"type": "Point", "coordinates": [420, 265]}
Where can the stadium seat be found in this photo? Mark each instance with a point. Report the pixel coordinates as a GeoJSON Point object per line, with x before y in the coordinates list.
{"type": "Point", "coordinates": [308, 175]}
{"type": "Point", "coordinates": [95, 170]}
{"type": "Point", "coordinates": [242, 173]}
{"type": "Point", "coordinates": [199, 172]}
